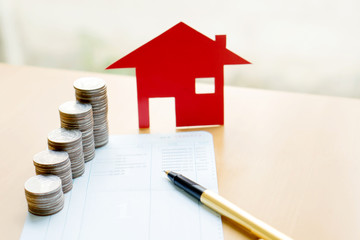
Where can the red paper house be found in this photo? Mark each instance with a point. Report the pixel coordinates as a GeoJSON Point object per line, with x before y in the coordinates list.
{"type": "Point", "coordinates": [168, 65]}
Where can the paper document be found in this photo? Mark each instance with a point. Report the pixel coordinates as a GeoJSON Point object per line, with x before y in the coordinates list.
{"type": "Point", "coordinates": [124, 193]}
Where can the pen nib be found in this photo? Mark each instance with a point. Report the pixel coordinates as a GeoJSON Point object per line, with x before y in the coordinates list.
{"type": "Point", "coordinates": [166, 171]}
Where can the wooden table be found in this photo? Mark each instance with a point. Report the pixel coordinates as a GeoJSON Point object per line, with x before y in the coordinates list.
{"type": "Point", "coordinates": [292, 160]}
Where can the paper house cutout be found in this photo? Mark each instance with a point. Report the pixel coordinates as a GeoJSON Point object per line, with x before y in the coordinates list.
{"type": "Point", "coordinates": [168, 65]}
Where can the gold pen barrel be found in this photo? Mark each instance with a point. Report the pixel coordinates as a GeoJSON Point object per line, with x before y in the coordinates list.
{"type": "Point", "coordinates": [230, 210]}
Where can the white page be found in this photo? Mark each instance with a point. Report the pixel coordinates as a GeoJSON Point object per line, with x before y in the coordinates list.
{"type": "Point", "coordinates": [124, 193]}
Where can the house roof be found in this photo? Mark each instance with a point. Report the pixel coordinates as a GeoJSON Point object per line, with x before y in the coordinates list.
{"type": "Point", "coordinates": [182, 44]}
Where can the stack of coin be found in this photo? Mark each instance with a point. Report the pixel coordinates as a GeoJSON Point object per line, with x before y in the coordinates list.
{"type": "Point", "coordinates": [57, 163]}
{"type": "Point", "coordinates": [44, 194]}
{"type": "Point", "coordinates": [75, 115]}
{"type": "Point", "coordinates": [70, 141]}
{"type": "Point", "coordinates": [93, 90]}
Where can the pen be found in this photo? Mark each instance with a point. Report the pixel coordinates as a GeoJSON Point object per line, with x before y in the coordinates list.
{"type": "Point", "coordinates": [226, 208]}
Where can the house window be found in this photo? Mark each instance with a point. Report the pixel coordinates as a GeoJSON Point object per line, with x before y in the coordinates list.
{"type": "Point", "coordinates": [204, 85]}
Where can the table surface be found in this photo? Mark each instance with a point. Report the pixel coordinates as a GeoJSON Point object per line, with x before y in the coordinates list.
{"type": "Point", "coordinates": [291, 160]}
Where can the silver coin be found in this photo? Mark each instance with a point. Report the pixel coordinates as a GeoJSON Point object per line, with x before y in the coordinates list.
{"type": "Point", "coordinates": [74, 107]}
{"type": "Point", "coordinates": [62, 135]}
{"type": "Point", "coordinates": [89, 83]}
{"type": "Point", "coordinates": [49, 157]}
{"type": "Point", "coordinates": [42, 184]}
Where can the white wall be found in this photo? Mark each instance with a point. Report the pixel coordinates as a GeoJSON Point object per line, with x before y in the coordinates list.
{"type": "Point", "coordinates": [306, 46]}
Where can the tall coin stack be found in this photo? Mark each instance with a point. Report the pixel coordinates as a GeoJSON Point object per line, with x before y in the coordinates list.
{"type": "Point", "coordinates": [93, 90]}
{"type": "Point", "coordinates": [56, 163]}
{"type": "Point", "coordinates": [70, 141]}
{"type": "Point", "coordinates": [44, 194]}
{"type": "Point", "coordinates": [75, 115]}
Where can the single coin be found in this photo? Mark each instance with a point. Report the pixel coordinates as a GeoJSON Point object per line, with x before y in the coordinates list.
{"type": "Point", "coordinates": [62, 135]}
{"type": "Point", "coordinates": [74, 107]}
{"type": "Point", "coordinates": [43, 184]}
{"type": "Point", "coordinates": [89, 83]}
{"type": "Point", "coordinates": [49, 157]}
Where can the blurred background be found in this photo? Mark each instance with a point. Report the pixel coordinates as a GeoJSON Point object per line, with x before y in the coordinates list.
{"type": "Point", "coordinates": [300, 46]}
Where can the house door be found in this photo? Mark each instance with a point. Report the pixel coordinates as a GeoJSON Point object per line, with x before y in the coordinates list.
{"type": "Point", "coordinates": [162, 113]}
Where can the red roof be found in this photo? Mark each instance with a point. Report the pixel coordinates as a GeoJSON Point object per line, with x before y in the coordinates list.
{"type": "Point", "coordinates": [180, 43]}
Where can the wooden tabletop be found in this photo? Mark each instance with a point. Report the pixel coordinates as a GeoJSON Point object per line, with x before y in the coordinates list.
{"type": "Point", "coordinates": [291, 160]}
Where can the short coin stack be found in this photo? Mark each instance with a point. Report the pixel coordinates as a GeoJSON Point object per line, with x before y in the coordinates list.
{"type": "Point", "coordinates": [62, 139]}
{"type": "Point", "coordinates": [44, 194]}
{"type": "Point", "coordinates": [93, 90]}
{"type": "Point", "coordinates": [57, 163]}
{"type": "Point", "coordinates": [75, 115]}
